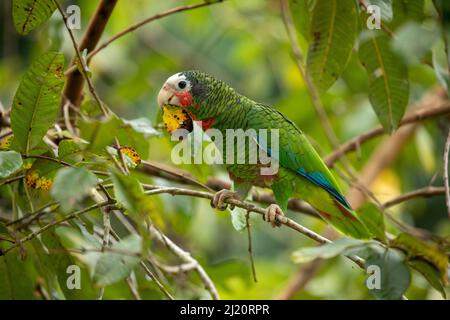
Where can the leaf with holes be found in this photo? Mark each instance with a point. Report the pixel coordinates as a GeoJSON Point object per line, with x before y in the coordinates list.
{"type": "Point", "coordinates": [29, 14]}
{"type": "Point", "coordinates": [36, 103]}
{"type": "Point", "coordinates": [333, 30]}
{"type": "Point", "coordinates": [388, 80]}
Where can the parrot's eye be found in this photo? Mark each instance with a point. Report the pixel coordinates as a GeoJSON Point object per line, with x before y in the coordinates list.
{"type": "Point", "coordinates": [182, 84]}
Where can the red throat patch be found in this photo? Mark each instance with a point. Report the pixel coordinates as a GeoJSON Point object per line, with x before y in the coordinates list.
{"type": "Point", "coordinates": [185, 98]}
{"type": "Point", "coordinates": [206, 124]}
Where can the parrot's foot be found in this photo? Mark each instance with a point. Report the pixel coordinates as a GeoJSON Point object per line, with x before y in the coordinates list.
{"type": "Point", "coordinates": [271, 213]}
{"type": "Point", "coordinates": [219, 198]}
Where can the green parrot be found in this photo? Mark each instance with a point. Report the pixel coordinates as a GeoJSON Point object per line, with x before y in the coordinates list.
{"type": "Point", "coordinates": [301, 172]}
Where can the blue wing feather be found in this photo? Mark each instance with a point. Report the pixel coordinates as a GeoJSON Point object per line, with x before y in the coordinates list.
{"type": "Point", "coordinates": [315, 177]}
{"type": "Point", "coordinates": [319, 179]}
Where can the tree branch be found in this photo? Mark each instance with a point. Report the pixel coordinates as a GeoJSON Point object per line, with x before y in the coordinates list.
{"type": "Point", "coordinates": [447, 189]}
{"type": "Point", "coordinates": [187, 258]}
{"type": "Point", "coordinates": [97, 24]}
{"type": "Point", "coordinates": [353, 144]}
{"type": "Point", "coordinates": [250, 208]}
{"type": "Point", "coordinates": [75, 99]}
{"type": "Point", "coordinates": [424, 192]}
{"type": "Point", "coordinates": [71, 216]}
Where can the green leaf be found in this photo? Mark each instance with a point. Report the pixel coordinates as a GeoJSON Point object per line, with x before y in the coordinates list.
{"type": "Point", "coordinates": [70, 151]}
{"type": "Point", "coordinates": [388, 79]}
{"type": "Point", "coordinates": [129, 193]}
{"type": "Point", "coordinates": [10, 162]}
{"type": "Point", "coordinates": [413, 41]}
{"type": "Point", "coordinates": [37, 101]}
{"type": "Point", "coordinates": [15, 280]}
{"type": "Point", "coordinates": [416, 248]}
{"type": "Point", "coordinates": [29, 14]}
{"type": "Point", "coordinates": [142, 125]}
{"type": "Point", "coordinates": [301, 15]}
{"type": "Point", "coordinates": [71, 185]}
{"type": "Point", "coordinates": [135, 133]}
{"type": "Point", "coordinates": [430, 273]}
{"type": "Point", "coordinates": [99, 133]}
{"type": "Point", "coordinates": [326, 251]}
{"type": "Point", "coordinates": [71, 238]}
{"type": "Point", "coordinates": [407, 10]}
{"type": "Point", "coordinates": [373, 219]}
{"type": "Point", "coordinates": [333, 32]}
{"type": "Point", "coordinates": [112, 266]}
{"type": "Point", "coordinates": [395, 276]}
{"type": "Point", "coordinates": [46, 269]}
{"type": "Point", "coordinates": [238, 218]}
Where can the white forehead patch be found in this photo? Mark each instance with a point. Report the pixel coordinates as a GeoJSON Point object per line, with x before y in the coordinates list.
{"type": "Point", "coordinates": [176, 78]}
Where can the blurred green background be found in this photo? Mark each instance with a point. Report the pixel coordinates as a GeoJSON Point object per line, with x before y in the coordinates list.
{"type": "Point", "coordinates": [243, 43]}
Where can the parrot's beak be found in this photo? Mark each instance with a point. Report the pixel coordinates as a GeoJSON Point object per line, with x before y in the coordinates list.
{"type": "Point", "coordinates": [167, 96]}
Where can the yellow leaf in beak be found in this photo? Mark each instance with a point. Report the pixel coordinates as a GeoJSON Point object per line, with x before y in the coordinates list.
{"type": "Point", "coordinates": [175, 118]}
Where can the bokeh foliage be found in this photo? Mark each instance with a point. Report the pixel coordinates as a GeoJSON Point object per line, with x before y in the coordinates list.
{"type": "Point", "coordinates": [243, 43]}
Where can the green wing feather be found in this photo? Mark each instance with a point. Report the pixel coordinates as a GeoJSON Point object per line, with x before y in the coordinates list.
{"type": "Point", "coordinates": [297, 155]}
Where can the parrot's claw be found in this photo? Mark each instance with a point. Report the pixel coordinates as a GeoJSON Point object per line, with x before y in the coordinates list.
{"type": "Point", "coordinates": [219, 198]}
{"type": "Point", "coordinates": [271, 215]}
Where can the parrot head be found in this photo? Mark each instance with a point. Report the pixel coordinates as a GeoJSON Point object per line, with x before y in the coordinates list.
{"type": "Point", "coordinates": [199, 94]}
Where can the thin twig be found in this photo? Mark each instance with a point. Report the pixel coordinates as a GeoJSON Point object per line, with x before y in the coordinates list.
{"type": "Point", "coordinates": [142, 263]}
{"type": "Point", "coordinates": [61, 162]}
{"type": "Point", "coordinates": [11, 180]}
{"type": "Point", "coordinates": [447, 189]}
{"type": "Point", "coordinates": [27, 219]}
{"type": "Point", "coordinates": [424, 192]}
{"type": "Point", "coordinates": [71, 216]}
{"type": "Point", "coordinates": [250, 251]}
{"type": "Point", "coordinates": [354, 143]}
{"type": "Point", "coordinates": [251, 208]}
{"type": "Point", "coordinates": [121, 157]}
{"type": "Point", "coordinates": [186, 257]}
{"type": "Point", "coordinates": [241, 204]}
{"type": "Point", "coordinates": [181, 268]}
{"type": "Point", "coordinates": [133, 288]}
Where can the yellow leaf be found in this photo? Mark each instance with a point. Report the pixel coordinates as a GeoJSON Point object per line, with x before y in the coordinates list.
{"type": "Point", "coordinates": [132, 154]}
{"type": "Point", "coordinates": [175, 118]}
